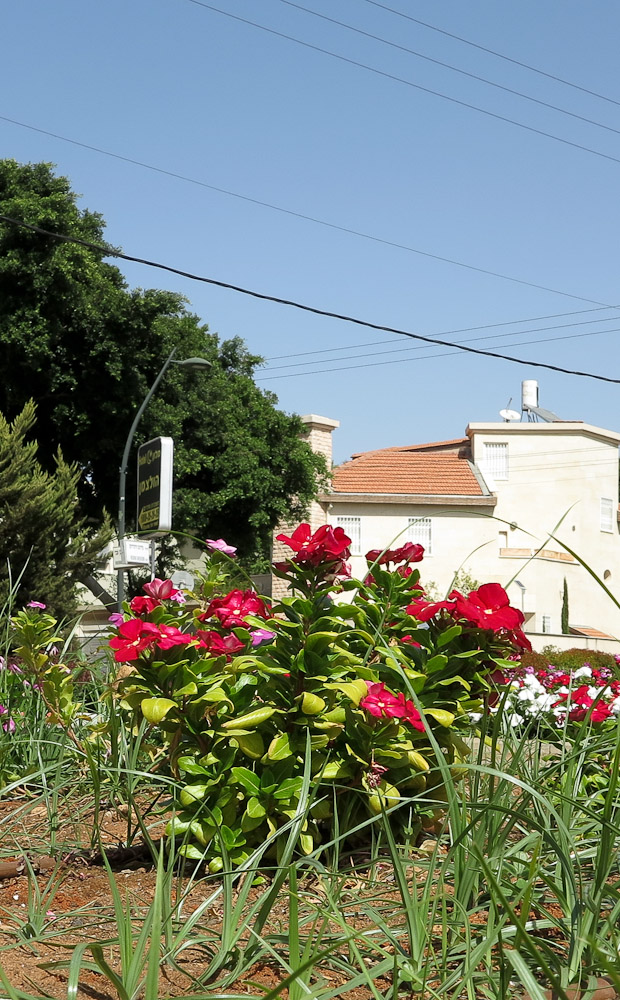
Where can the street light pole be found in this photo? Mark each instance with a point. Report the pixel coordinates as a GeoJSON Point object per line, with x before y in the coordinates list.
{"type": "Point", "coordinates": [188, 363]}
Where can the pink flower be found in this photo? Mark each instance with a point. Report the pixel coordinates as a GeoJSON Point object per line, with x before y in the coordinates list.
{"type": "Point", "coordinates": [408, 553]}
{"type": "Point", "coordinates": [9, 725]}
{"type": "Point", "coordinates": [36, 604]}
{"type": "Point", "coordinates": [219, 545]}
{"type": "Point", "coordinates": [261, 636]}
{"type": "Point", "coordinates": [383, 704]}
{"type": "Point", "coordinates": [116, 618]}
{"type": "Point", "coordinates": [162, 590]}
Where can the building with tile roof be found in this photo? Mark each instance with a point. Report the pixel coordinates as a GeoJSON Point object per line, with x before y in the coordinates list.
{"type": "Point", "coordinates": [519, 503]}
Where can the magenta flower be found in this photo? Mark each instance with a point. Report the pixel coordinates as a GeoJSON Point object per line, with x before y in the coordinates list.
{"type": "Point", "coordinates": [162, 590]}
{"type": "Point", "coordinates": [261, 636]}
{"type": "Point", "coordinates": [36, 604]}
{"type": "Point", "coordinates": [219, 545]}
{"type": "Point", "coordinates": [9, 725]}
{"type": "Point", "coordinates": [116, 619]}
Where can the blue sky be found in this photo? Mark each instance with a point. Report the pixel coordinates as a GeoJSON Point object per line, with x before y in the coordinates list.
{"type": "Point", "coordinates": [195, 92]}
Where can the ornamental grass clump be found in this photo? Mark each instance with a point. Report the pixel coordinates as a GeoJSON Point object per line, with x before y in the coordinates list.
{"type": "Point", "coordinates": [373, 687]}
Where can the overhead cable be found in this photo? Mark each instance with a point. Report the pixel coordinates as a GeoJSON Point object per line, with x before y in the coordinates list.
{"type": "Point", "coordinates": [407, 83]}
{"type": "Point", "coordinates": [493, 52]}
{"type": "Point", "coordinates": [298, 215]}
{"type": "Point", "coordinates": [454, 69]}
{"type": "Point", "coordinates": [108, 251]}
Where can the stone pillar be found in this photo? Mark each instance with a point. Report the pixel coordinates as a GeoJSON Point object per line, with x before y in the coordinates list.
{"type": "Point", "coordinates": [318, 434]}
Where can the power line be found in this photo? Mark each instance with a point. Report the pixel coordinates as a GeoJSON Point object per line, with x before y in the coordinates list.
{"type": "Point", "coordinates": [443, 354]}
{"type": "Point", "coordinates": [407, 83]}
{"type": "Point", "coordinates": [454, 69]}
{"type": "Point", "coordinates": [493, 52]}
{"type": "Point", "coordinates": [108, 251]}
{"type": "Point", "coordinates": [470, 340]}
{"type": "Point", "coordinates": [298, 215]}
{"type": "Point", "coordinates": [464, 329]}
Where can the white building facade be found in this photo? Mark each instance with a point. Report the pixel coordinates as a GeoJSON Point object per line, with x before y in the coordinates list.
{"type": "Point", "coordinates": [508, 503]}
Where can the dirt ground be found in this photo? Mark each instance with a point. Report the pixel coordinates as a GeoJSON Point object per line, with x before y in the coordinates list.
{"type": "Point", "coordinates": [74, 902]}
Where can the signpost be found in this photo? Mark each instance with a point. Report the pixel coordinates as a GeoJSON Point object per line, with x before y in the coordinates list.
{"type": "Point", "coordinates": [154, 515]}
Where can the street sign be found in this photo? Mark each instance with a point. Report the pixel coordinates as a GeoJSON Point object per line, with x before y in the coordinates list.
{"type": "Point", "coordinates": [132, 552]}
{"type": "Point", "coordinates": [155, 487]}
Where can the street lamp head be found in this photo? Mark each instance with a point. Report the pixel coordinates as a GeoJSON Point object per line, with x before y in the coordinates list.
{"type": "Point", "coordinates": [194, 363]}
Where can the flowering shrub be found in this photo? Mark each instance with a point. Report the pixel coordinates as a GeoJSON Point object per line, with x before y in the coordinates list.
{"type": "Point", "coordinates": [240, 689]}
{"type": "Point", "coordinates": [554, 699]}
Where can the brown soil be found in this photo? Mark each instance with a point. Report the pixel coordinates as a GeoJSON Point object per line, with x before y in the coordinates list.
{"type": "Point", "coordinates": [76, 901]}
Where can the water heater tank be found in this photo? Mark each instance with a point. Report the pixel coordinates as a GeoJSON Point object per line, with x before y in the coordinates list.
{"type": "Point", "coordinates": [529, 393]}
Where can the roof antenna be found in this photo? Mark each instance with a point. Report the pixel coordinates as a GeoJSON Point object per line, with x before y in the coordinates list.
{"type": "Point", "coordinates": [509, 415]}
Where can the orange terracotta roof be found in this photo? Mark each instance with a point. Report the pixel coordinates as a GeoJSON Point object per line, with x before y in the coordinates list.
{"type": "Point", "coordinates": [465, 442]}
{"type": "Point", "coordinates": [588, 632]}
{"type": "Point", "coordinates": [406, 471]}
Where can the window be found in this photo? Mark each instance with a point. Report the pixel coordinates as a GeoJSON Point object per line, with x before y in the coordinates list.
{"type": "Point", "coordinates": [495, 460]}
{"type": "Point", "coordinates": [607, 514]}
{"type": "Point", "coordinates": [353, 528]}
{"type": "Point", "coordinates": [419, 531]}
{"type": "Point", "coordinates": [545, 624]}
{"type": "Point", "coordinates": [503, 540]}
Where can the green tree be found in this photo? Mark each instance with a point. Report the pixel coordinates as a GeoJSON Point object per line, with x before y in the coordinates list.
{"type": "Point", "coordinates": [87, 349]}
{"type": "Point", "coordinates": [45, 547]}
{"type": "Point", "coordinates": [565, 608]}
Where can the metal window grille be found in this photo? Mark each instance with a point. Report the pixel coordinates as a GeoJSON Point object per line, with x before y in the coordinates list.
{"type": "Point", "coordinates": [545, 624]}
{"type": "Point", "coordinates": [496, 460]}
{"type": "Point", "coordinates": [607, 514]}
{"type": "Point", "coordinates": [420, 532]}
{"type": "Point", "coordinates": [353, 528]}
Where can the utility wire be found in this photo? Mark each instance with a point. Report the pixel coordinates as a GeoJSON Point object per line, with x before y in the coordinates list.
{"type": "Point", "coordinates": [469, 340]}
{"type": "Point", "coordinates": [454, 69]}
{"type": "Point", "coordinates": [108, 251]}
{"type": "Point", "coordinates": [464, 329]}
{"type": "Point", "coordinates": [299, 215]}
{"type": "Point", "coordinates": [443, 354]}
{"type": "Point", "coordinates": [407, 83]}
{"type": "Point", "coordinates": [492, 52]}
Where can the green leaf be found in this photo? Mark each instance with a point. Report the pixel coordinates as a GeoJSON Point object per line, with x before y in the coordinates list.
{"type": "Point", "coordinates": [156, 709]}
{"type": "Point", "coordinates": [354, 690]}
{"type": "Point", "coordinates": [251, 744]}
{"type": "Point", "coordinates": [440, 715]}
{"type": "Point", "coordinates": [255, 809]}
{"type": "Point", "coordinates": [279, 748]}
{"type": "Point", "coordinates": [243, 776]}
{"type": "Point", "coordinates": [448, 635]}
{"type": "Point", "coordinates": [191, 766]}
{"type": "Point", "coordinates": [435, 663]}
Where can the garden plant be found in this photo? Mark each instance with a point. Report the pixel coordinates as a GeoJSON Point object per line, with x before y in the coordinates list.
{"type": "Point", "coordinates": [355, 787]}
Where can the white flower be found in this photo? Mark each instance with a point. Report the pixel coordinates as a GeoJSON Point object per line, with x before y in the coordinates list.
{"type": "Point", "coordinates": [584, 671]}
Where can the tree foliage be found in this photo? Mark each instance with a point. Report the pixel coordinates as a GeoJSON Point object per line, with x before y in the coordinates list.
{"type": "Point", "coordinates": [45, 547]}
{"type": "Point", "coordinates": [87, 348]}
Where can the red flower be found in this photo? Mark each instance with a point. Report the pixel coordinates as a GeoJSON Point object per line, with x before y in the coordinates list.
{"type": "Point", "coordinates": [383, 704]}
{"type": "Point", "coordinates": [408, 553]}
{"type": "Point", "coordinates": [326, 545]}
{"type": "Point", "coordinates": [170, 635]}
{"type": "Point", "coordinates": [232, 609]}
{"type": "Point", "coordinates": [488, 607]}
{"type": "Point", "coordinates": [422, 610]}
{"type": "Point", "coordinates": [213, 642]}
{"type": "Point", "coordinates": [144, 605]}
{"type": "Point", "coordinates": [134, 636]}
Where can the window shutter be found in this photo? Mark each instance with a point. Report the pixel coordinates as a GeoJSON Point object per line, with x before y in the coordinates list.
{"type": "Point", "coordinates": [352, 526]}
{"type": "Point", "coordinates": [420, 532]}
{"type": "Point", "coordinates": [495, 458]}
{"type": "Point", "coordinates": [607, 514]}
